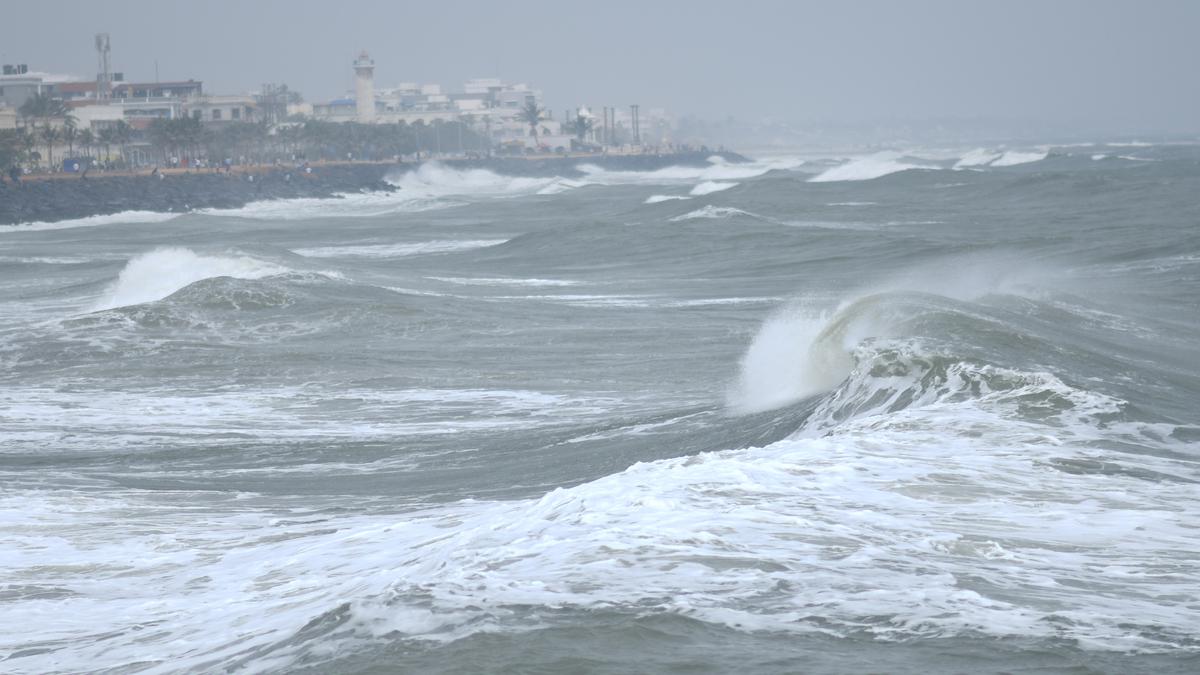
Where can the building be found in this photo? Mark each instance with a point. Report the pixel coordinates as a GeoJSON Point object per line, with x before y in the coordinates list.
{"type": "Point", "coordinates": [18, 87]}
{"type": "Point", "coordinates": [218, 109]}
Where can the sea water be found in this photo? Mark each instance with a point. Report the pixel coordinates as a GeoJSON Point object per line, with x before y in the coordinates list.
{"type": "Point", "coordinates": [906, 412]}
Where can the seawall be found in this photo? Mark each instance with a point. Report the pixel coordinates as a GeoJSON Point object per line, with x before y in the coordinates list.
{"type": "Point", "coordinates": [67, 197]}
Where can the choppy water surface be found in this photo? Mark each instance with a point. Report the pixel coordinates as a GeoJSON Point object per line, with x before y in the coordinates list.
{"type": "Point", "coordinates": [904, 413]}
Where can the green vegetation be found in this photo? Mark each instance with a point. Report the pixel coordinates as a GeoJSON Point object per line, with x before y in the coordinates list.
{"type": "Point", "coordinates": [311, 140]}
{"type": "Point", "coordinates": [15, 148]}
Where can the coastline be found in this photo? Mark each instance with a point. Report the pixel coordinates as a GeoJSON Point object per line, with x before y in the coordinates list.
{"type": "Point", "coordinates": [54, 197]}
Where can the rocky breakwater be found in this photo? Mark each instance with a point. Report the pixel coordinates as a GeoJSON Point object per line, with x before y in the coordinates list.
{"type": "Point", "coordinates": [67, 197]}
{"type": "Point", "coordinates": [64, 197]}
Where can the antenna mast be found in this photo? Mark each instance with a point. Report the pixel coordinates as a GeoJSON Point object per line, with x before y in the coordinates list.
{"type": "Point", "coordinates": [104, 75]}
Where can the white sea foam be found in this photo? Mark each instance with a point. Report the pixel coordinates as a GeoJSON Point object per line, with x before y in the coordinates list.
{"type": "Point", "coordinates": [656, 199]}
{"type": "Point", "coordinates": [493, 281]}
{"type": "Point", "coordinates": [864, 168]}
{"type": "Point", "coordinates": [429, 187]}
{"type": "Point", "coordinates": [435, 180]}
{"type": "Point", "coordinates": [396, 250]}
{"type": "Point", "coordinates": [868, 528]}
{"type": "Point", "coordinates": [349, 205]}
{"type": "Point", "coordinates": [710, 186]}
{"type": "Point", "coordinates": [561, 185]}
{"type": "Point", "coordinates": [977, 157]}
{"type": "Point", "coordinates": [1014, 157]}
{"type": "Point", "coordinates": [716, 170]}
{"type": "Point", "coordinates": [44, 260]}
{"type": "Point", "coordinates": [147, 418]}
{"type": "Point", "coordinates": [710, 211]}
{"type": "Point", "coordinates": [123, 218]}
{"type": "Point", "coordinates": [155, 275]}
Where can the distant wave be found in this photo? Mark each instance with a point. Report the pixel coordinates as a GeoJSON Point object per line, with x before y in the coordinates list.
{"type": "Point", "coordinates": [1013, 158]}
{"type": "Point", "coordinates": [711, 186]}
{"type": "Point", "coordinates": [433, 179]}
{"type": "Point", "coordinates": [395, 250]}
{"type": "Point", "coordinates": [864, 168]}
{"type": "Point", "coordinates": [355, 205]}
{"type": "Point", "coordinates": [655, 199]}
{"type": "Point", "coordinates": [159, 273]}
{"type": "Point", "coordinates": [500, 281]}
{"type": "Point", "coordinates": [124, 217]}
{"type": "Point", "coordinates": [716, 170]}
{"type": "Point", "coordinates": [711, 211]}
{"type": "Point", "coordinates": [977, 157]}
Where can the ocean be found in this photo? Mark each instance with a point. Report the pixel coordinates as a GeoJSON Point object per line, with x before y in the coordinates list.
{"type": "Point", "coordinates": [909, 412]}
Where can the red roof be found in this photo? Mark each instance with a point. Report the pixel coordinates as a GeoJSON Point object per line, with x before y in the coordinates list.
{"type": "Point", "coordinates": [75, 87]}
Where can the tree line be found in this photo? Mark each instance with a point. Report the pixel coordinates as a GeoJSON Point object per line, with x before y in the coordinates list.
{"type": "Point", "coordinates": [262, 143]}
{"type": "Point", "coordinates": [33, 143]}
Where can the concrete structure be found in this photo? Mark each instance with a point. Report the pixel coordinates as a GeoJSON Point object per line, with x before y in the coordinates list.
{"type": "Point", "coordinates": [8, 118]}
{"type": "Point", "coordinates": [364, 88]}
{"type": "Point", "coordinates": [221, 109]}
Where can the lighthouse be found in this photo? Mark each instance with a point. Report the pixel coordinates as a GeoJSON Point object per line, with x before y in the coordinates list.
{"type": "Point", "coordinates": [364, 87]}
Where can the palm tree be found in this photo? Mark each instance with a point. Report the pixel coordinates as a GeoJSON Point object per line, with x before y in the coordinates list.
{"type": "Point", "coordinates": [107, 138]}
{"type": "Point", "coordinates": [86, 140]}
{"type": "Point", "coordinates": [27, 143]}
{"type": "Point", "coordinates": [532, 115]}
{"type": "Point", "coordinates": [50, 135]}
{"type": "Point", "coordinates": [42, 106]}
{"type": "Point", "coordinates": [70, 134]}
{"type": "Point", "coordinates": [122, 133]}
{"type": "Point", "coordinates": [582, 124]}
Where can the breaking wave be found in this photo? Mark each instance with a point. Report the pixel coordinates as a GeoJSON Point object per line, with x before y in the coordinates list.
{"type": "Point", "coordinates": [433, 180]}
{"type": "Point", "coordinates": [711, 186]}
{"type": "Point", "coordinates": [159, 273]}
{"type": "Point", "coordinates": [865, 168]}
{"type": "Point", "coordinates": [977, 157]}
{"type": "Point", "coordinates": [711, 211]}
{"type": "Point", "coordinates": [396, 250]}
{"type": "Point", "coordinates": [122, 218]}
{"type": "Point", "coordinates": [1013, 158]}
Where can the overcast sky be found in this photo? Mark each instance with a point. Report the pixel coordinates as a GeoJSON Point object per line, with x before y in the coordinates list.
{"type": "Point", "coordinates": [1125, 64]}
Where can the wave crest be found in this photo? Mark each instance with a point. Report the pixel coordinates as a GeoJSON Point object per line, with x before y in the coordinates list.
{"type": "Point", "coordinates": [864, 168]}
{"type": "Point", "coordinates": [159, 273]}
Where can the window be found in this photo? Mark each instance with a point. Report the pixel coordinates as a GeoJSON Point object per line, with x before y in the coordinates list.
{"type": "Point", "coordinates": [195, 114]}
{"type": "Point", "coordinates": [216, 113]}
{"type": "Point", "coordinates": [235, 113]}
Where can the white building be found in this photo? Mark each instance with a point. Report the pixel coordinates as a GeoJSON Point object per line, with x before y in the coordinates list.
{"type": "Point", "coordinates": [217, 109]}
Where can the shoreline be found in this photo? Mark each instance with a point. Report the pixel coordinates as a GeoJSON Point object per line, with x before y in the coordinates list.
{"type": "Point", "coordinates": [68, 196]}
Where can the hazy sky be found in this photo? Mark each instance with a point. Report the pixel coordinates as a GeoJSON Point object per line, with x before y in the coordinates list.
{"type": "Point", "coordinates": [1130, 65]}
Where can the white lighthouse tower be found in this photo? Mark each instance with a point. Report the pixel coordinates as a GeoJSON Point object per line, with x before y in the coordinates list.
{"type": "Point", "coordinates": [364, 87]}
